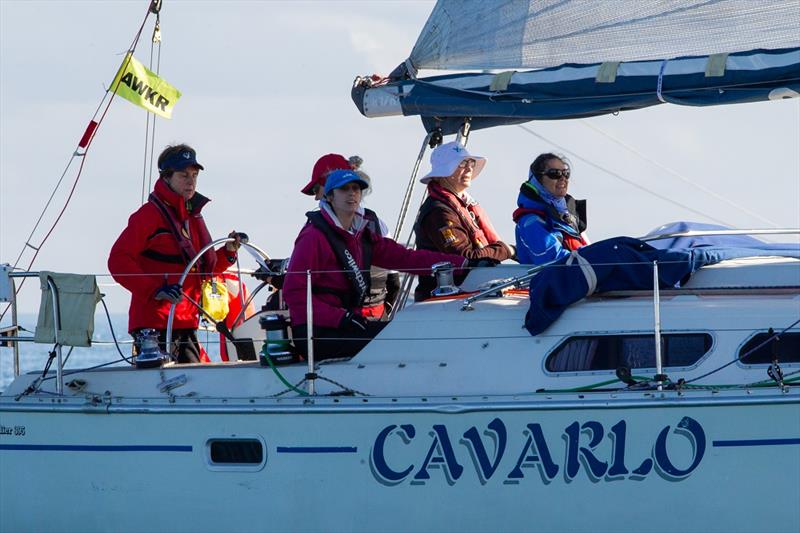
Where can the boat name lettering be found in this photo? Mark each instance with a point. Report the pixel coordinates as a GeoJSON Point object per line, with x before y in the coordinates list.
{"type": "Point", "coordinates": [17, 431]}
{"type": "Point", "coordinates": [401, 453]}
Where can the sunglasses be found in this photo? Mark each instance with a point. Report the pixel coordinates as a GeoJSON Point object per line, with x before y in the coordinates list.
{"type": "Point", "coordinates": [556, 173]}
{"type": "Point", "coordinates": [467, 163]}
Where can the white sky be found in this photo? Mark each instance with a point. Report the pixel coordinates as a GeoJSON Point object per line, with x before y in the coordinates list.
{"type": "Point", "coordinates": [266, 91]}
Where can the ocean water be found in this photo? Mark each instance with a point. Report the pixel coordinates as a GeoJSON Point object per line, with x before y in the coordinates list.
{"type": "Point", "coordinates": [33, 357]}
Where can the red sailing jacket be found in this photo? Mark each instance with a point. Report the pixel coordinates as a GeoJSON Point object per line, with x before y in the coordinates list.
{"type": "Point", "coordinates": [146, 256]}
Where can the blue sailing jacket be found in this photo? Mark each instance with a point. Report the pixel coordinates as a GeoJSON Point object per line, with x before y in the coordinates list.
{"type": "Point", "coordinates": [540, 233]}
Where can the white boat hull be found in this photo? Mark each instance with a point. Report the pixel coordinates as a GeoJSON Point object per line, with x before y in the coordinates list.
{"type": "Point", "coordinates": [634, 461]}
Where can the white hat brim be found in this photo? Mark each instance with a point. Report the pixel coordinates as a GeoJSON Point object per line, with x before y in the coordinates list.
{"type": "Point", "coordinates": [445, 171]}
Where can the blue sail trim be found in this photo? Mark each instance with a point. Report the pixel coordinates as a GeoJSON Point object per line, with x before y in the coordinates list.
{"type": "Point", "coordinates": [317, 449]}
{"type": "Point", "coordinates": [94, 448]}
{"type": "Point", "coordinates": [571, 91]}
{"type": "Point", "coordinates": [624, 263]}
{"type": "Point", "coordinates": [755, 442]}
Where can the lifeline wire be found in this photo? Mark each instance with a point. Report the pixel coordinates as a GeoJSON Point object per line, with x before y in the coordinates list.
{"type": "Point", "coordinates": [793, 324]}
{"type": "Point", "coordinates": [75, 154]}
{"type": "Point", "coordinates": [114, 335]}
{"type": "Point", "coordinates": [88, 369]}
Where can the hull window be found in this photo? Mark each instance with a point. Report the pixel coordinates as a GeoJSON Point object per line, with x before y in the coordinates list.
{"type": "Point", "coordinates": [785, 347]}
{"type": "Point", "coordinates": [236, 452]}
{"type": "Point", "coordinates": [609, 352]}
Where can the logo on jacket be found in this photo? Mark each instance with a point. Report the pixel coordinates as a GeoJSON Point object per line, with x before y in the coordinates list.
{"type": "Point", "coordinates": [448, 235]}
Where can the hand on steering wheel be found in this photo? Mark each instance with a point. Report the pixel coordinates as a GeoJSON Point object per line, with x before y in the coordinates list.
{"type": "Point", "coordinates": [234, 245]}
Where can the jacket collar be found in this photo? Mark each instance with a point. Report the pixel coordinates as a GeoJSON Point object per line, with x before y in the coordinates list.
{"type": "Point", "coordinates": [464, 199]}
{"type": "Point", "coordinates": [182, 208]}
{"type": "Point", "coordinates": [359, 223]}
{"type": "Point", "coordinates": [529, 200]}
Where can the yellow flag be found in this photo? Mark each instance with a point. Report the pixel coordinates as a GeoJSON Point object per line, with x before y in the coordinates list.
{"type": "Point", "coordinates": [137, 83]}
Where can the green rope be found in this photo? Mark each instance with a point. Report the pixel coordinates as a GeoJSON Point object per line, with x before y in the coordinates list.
{"type": "Point", "coordinates": [301, 392]}
{"type": "Point", "coordinates": [758, 384]}
{"type": "Point", "coordinates": [594, 386]}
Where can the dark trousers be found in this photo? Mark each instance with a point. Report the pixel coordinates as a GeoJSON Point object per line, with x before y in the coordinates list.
{"type": "Point", "coordinates": [185, 346]}
{"type": "Point", "coordinates": [332, 343]}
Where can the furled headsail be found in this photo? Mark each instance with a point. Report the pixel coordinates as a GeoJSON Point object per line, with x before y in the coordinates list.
{"type": "Point", "coordinates": [591, 58]}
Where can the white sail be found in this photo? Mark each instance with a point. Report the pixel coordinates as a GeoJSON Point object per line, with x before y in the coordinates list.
{"type": "Point", "coordinates": [480, 34]}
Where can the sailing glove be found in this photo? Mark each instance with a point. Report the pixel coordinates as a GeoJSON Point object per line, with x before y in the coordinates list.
{"type": "Point", "coordinates": [171, 293]}
{"type": "Point", "coordinates": [353, 323]}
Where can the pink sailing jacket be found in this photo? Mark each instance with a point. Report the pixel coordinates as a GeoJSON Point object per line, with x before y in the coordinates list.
{"type": "Point", "coordinates": [330, 285]}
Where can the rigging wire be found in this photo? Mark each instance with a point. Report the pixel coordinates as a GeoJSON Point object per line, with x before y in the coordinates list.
{"type": "Point", "coordinates": [88, 138]}
{"type": "Point", "coordinates": [622, 178]}
{"type": "Point", "coordinates": [150, 136]}
{"type": "Point", "coordinates": [680, 176]}
{"type": "Point", "coordinates": [52, 194]}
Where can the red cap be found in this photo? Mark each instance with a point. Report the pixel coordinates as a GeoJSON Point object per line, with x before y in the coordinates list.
{"type": "Point", "coordinates": [322, 168]}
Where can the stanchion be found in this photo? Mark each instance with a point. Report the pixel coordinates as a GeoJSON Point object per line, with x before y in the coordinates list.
{"type": "Point", "coordinates": [657, 316]}
{"type": "Point", "coordinates": [310, 376]}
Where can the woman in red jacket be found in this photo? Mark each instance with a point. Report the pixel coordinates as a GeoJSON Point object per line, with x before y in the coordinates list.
{"type": "Point", "coordinates": [338, 245]}
{"type": "Point", "coordinates": [153, 250]}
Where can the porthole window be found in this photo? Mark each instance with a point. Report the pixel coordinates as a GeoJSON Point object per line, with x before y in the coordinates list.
{"type": "Point", "coordinates": [609, 352]}
{"type": "Point", "coordinates": [786, 346]}
{"type": "Point", "coordinates": [236, 453]}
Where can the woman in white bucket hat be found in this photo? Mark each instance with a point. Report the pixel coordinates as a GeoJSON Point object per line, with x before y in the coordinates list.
{"type": "Point", "coordinates": [450, 220]}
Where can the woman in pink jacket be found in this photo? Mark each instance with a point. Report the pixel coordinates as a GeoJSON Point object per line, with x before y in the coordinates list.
{"type": "Point", "coordinates": [338, 245]}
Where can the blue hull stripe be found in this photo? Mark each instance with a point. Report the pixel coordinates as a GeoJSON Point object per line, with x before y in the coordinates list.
{"type": "Point", "coordinates": [92, 448]}
{"type": "Point", "coordinates": [755, 442]}
{"type": "Point", "coordinates": [317, 449]}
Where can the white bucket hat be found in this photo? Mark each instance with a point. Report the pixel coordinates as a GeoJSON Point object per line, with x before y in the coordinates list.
{"type": "Point", "coordinates": [446, 158]}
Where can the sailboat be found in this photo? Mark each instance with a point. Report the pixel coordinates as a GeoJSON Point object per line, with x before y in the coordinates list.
{"type": "Point", "coordinates": [642, 408]}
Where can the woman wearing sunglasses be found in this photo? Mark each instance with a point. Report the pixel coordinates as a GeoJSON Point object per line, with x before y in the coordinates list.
{"type": "Point", "coordinates": [550, 222]}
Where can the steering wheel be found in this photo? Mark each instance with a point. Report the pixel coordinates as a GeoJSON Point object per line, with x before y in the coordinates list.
{"type": "Point", "coordinates": [185, 274]}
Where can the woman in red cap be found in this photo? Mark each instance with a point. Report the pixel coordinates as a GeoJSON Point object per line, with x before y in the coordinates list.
{"type": "Point", "coordinates": [339, 243]}
{"type": "Point", "coordinates": [385, 285]}
{"type": "Point", "coordinates": [324, 166]}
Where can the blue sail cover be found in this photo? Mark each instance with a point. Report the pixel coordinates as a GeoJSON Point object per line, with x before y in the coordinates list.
{"type": "Point", "coordinates": [623, 263]}
{"type": "Point", "coordinates": [576, 91]}
{"type": "Point", "coordinates": [682, 238]}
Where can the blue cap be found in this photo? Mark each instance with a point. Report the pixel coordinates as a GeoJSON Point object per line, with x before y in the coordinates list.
{"type": "Point", "coordinates": [340, 178]}
{"type": "Point", "coordinates": [180, 160]}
